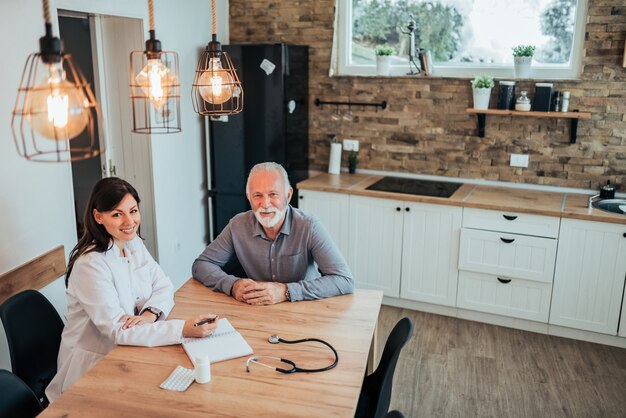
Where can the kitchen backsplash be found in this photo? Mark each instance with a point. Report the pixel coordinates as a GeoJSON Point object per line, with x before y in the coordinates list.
{"type": "Point", "coordinates": [425, 128]}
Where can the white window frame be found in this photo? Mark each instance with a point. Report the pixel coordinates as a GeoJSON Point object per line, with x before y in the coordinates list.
{"type": "Point", "coordinates": [466, 70]}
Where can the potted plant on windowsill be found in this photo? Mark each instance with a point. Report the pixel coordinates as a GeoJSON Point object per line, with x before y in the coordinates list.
{"type": "Point", "coordinates": [383, 59]}
{"type": "Point", "coordinates": [522, 58]}
{"type": "Point", "coordinates": [352, 161]}
{"type": "Point", "coordinates": [481, 89]}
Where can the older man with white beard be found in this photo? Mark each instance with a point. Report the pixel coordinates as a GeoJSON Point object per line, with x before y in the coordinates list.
{"type": "Point", "coordinates": [287, 255]}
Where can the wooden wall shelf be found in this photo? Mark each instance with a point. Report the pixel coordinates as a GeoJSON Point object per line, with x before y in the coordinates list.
{"type": "Point", "coordinates": [573, 116]}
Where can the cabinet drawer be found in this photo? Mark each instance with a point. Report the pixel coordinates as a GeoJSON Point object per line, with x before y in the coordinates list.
{"type": "Point", "coordinates": [510, 255]}
{"type": "Point", "coordinates": [517, 298]}
{"type": "Point", "coordinates": [515, 223]}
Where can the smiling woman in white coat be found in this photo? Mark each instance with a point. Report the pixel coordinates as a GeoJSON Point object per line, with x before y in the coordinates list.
{"type": "Point", "coordinates": [116, 292]}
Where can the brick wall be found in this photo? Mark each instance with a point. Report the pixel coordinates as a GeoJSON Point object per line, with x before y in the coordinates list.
{"type": "Point", "coordinates": [425, 128]}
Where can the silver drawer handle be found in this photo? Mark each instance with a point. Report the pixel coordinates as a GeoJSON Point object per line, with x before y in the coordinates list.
{"type": "Point", "coordinates": [505, 281]}
{"type": "Point", "coordinates": [507, 240]}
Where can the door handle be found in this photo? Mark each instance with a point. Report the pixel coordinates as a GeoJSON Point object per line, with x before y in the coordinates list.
{"type": "Point", "coordinates": [398, 209]}
{"type": "Point", "coordinates": [504, 281]}
{"type": "Point", "coordinates": [112, 170]}
{"type": "Point", "coordinates": [507, 240]}
{"type": "Point", "coordinates": [510, 217]}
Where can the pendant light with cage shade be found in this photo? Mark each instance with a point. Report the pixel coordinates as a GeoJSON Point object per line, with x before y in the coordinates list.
{"type": "Point", "coordinates": [56, 116]}
{"type": "Point", "coordinates": [216, 88]}
{"type": "Point", "coordinates": [155, 86]}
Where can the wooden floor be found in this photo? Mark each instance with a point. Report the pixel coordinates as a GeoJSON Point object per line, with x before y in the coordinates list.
{"type": "Point", "coordinates": [457, 368]}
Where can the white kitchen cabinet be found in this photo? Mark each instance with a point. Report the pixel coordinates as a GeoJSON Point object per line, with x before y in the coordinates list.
{"type": "Point", "coordinates": [375, 250]}
{"type": "Point", "coordinates": [332, 209]}
{"type": "Point", "coordinates": [430, 249]}
{"type": "Point", "coordinates": [406, 249]}
{"type": "Point", "coordinates": [546, 269]}
{"type": "Point", "coordinates": [589, 277]}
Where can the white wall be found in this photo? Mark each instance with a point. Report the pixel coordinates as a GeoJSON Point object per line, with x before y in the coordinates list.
{"type": "Point", "coordinates": [179, 200]}
{"type": "Point", "coordinates": [36, 209]}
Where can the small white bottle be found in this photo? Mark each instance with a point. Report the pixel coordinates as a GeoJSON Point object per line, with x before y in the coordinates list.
{"type": "Point", "coordinates": [565, 104]}
{"type": "Point", "coordinates": [202, 371]}
{"type": "Point", "coordinates": [523, 103]}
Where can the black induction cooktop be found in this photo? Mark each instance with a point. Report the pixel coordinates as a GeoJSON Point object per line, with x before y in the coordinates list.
{"type": "Point", "coordinates": [413, 186]}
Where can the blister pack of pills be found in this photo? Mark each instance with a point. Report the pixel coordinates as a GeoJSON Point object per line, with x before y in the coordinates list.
{"type": "Point", "coordinates": [179, 380]}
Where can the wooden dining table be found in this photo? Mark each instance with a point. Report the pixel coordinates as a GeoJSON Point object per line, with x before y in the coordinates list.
{"type": "Point", "coordinates": [125, 383]}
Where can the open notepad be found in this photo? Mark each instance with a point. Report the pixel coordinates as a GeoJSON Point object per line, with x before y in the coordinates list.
{"type": "Point", "coordinates": [225, 343]}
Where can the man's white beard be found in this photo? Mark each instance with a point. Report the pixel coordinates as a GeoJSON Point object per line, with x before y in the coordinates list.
{"type": "Point", "coordinates": [270, 222]}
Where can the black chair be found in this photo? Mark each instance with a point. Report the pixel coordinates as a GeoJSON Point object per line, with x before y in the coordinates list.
{"type": "Point", "coordinates": [376, 391]}
{"type": "Point", "coordinates": [33, 329]}
{"type": "Point", "coordinates": [16, 398]}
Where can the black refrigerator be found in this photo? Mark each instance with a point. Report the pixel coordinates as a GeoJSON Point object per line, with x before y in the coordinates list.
{"type": "Point", "coordinates": [273, 126]}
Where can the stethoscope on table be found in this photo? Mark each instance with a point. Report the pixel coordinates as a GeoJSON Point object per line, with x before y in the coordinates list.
{"type": "Point", "coordinates": [275, 339]}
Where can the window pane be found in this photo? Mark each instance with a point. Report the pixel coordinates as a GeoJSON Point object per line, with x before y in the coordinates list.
{"type": "Point", "coordinates": [465, 31]}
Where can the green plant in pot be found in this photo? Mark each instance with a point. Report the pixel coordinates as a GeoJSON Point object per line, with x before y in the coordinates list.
{"type": "Point", "coordinates": [352, 161]}
{"type": "Point", "coordinates": [383, 59]}
{"type": "Point", "coordinates": [481, 89]}
{"type": "Point", "coordinates": [522, 59]}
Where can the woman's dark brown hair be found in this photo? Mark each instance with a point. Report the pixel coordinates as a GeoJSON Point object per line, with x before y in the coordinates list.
{"type": "Point", "coordinates": [105, 196]}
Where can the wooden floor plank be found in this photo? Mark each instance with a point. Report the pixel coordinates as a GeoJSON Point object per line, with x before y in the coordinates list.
{"type": "Point", "coordinates": [458, 368]}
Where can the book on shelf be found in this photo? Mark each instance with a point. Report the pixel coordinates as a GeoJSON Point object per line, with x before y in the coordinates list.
{"type": "Point", "coordinates": [224, 343]}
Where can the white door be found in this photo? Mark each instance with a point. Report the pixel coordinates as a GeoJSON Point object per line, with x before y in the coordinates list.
{"type": "Point", "coordinates": [589, 277]}
{"type": "Point", "coordinates": [430, 253]}
{"type": "Point", "coordinates": [128, 155]}
{"type": "Point", "coordinates": [375, 248]}
{"type": "Point", "coordinates": [333, 210]}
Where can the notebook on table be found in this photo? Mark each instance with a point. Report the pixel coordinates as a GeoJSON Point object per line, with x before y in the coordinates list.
{"type": "Point", "coordinates": [224, 344]}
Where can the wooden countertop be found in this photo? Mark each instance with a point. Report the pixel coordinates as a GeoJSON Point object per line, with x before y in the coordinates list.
{"type": "Point", "coordinates": [561, 204]}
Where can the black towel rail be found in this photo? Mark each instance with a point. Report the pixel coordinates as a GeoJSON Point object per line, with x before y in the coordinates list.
{"type": "Point", "coordinates": [382, 105]}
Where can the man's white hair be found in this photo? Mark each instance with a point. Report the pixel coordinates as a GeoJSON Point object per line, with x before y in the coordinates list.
{"type": "Point", "coordinates": [268, 167]}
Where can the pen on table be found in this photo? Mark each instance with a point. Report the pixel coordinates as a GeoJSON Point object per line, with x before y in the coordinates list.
{"type": "Point", "coordinates": [205, 321]}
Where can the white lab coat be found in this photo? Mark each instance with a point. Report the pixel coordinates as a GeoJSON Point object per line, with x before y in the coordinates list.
{"type": "Point", "coordinates": [102, 288]}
